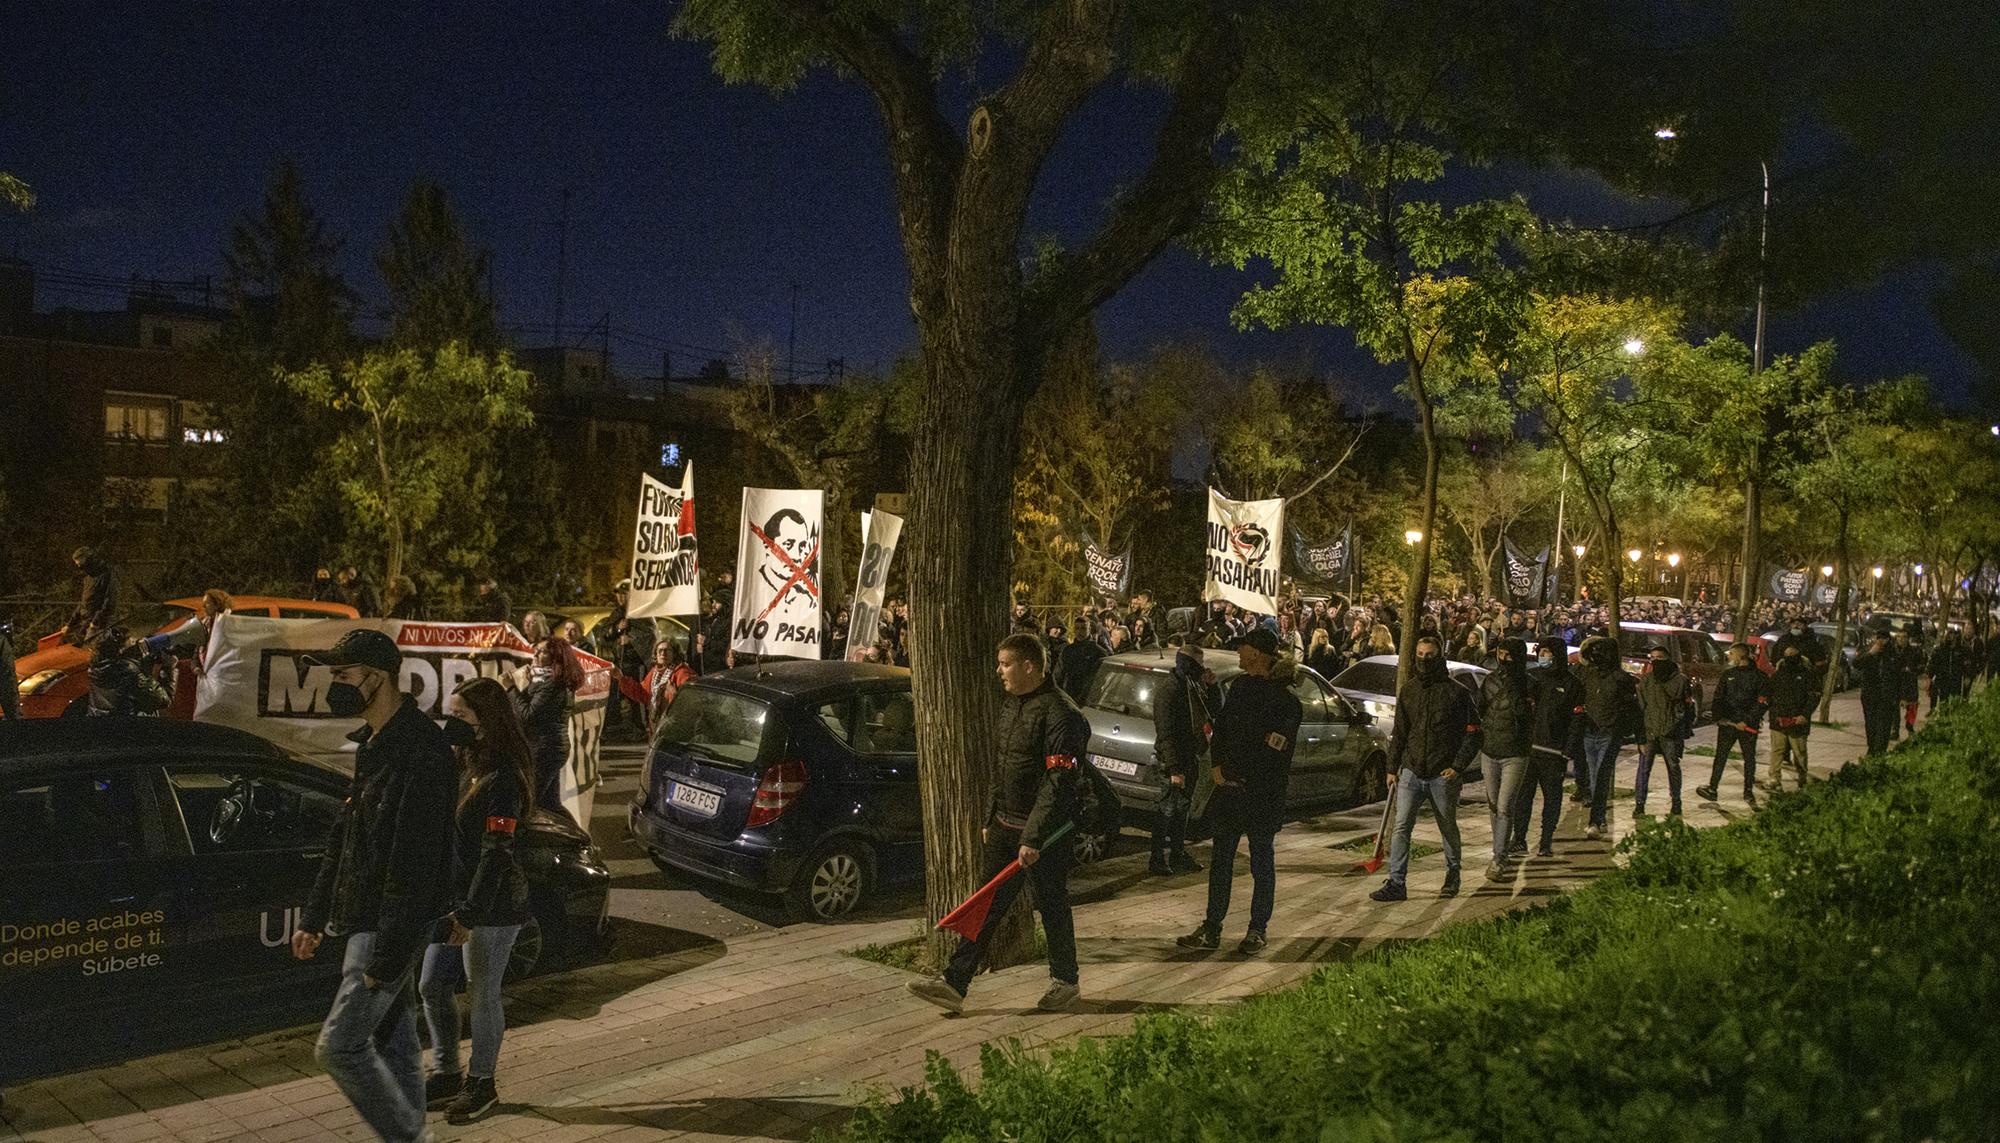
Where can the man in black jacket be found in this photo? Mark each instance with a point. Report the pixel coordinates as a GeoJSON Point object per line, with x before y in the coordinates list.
{"type": "Point", "coordinates": [1610, 715]}
{"type": "Point", "coordinates": [1183, 716]}
{"type": "Point", "coordinates": [97, 606]}
{"type": "Point", "coordinates": [1668, 700]}
{"type": "Point", "coordinates": [1794, 693]}
{"type": "Point", "coordinates": [1507, 719]}
{"type": "Point", "coordinates": [1434, 737]}
{"type": "Point", "coordinates": [1558, 700]}
{"type": "Point", "coordinates": [1255, 734]}
{"type": "Point", "coordinates": [1076, 661]}
{"type": "Point", "coordinates": [1041, 740]}
{"type": "Point", "coordinates": [1741, 697]}
{"type": "Point", "coordinates": [384, 884]}
{"type": "Point", "coordinates": [1880, 675]}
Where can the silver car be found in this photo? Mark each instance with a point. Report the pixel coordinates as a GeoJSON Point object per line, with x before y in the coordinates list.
{"type": "Point", "coordinates": [1339, 760]}
{"type": "Point", "coordinates": [1371, 686]}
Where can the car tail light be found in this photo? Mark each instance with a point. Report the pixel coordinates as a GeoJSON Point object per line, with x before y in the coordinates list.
{"type": "Point", "coordinates": [778, 790]}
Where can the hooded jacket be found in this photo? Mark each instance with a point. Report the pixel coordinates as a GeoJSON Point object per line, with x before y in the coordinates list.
{"type": "Point", "coordinates": [1507, 711]}
{"type": "Point", "coordinates": [1741, 697]}
{"type": "Point", "coordinates": [118, 686]}
{"type": "Point", "coordinates": [1256, 732]}
{"type": "Point", "coordinates": [1610, 699]}
{"type": "Point", "coordinates": [1558, 702]}
{"type": "Point", "coordinates": [1667, 701]}
{"type": "Point", "coordinates": [1183, 718]}
{"type": "Point", "coordinates": [1794, 691]}
{"type": "Point", "coordinates": [1436, 727]}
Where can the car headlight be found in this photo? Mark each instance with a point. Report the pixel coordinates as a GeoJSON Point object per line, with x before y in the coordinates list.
{"type": "Point", "coordinates": [41, 681]}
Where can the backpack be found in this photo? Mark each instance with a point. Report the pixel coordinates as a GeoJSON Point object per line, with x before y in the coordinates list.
{"type": "Point", "coordinates": [1098, 809]}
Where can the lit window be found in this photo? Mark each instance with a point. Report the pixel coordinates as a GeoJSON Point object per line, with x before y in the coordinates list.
{"type": "Point", "coordinates": [129, 420]}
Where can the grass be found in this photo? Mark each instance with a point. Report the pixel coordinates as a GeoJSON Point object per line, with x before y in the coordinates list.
{"type": "Point", "coordinates": [1824, 970]}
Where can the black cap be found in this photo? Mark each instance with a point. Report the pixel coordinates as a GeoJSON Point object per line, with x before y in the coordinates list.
{"type": "Point", "coordinates": [362, 648]}
{"type": "Point", "coordinates": [1258, 637]}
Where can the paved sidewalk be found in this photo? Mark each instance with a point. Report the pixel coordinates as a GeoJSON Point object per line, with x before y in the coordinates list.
{"type": "Point", "coordinates": [779, 1032]}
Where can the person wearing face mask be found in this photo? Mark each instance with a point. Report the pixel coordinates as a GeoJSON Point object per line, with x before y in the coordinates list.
{"type": "Point", "coordinates": [1878, 672]}
{"type": "Point", "coordinates": [1506, 709]}
{"type": "Point", "coordinates": [1183, 716]}
{"type": "Point", "coordinates": [1668, 700]}
{"type": "Point", "coordinates": [379, 884]}
{"type": "Point", "coordinates": [1610, 705]}
{"type": "Point", "coordinates": [1794, 692]}
{"type": "Point", "coordinates": [489, 895]}
{"type": "Point", "coordinates": [1909, 673]}
{"type": "Point", "coordinates": [543, 706]}
{"type": "Point", "coordinates": [1435, 735]}
{"type": "Point", "coordinates": [1558, 701]}
{"type": "Point", "coordinates": [1741, 697]}
{"type": "Point", "coordinates": [1797, 634]}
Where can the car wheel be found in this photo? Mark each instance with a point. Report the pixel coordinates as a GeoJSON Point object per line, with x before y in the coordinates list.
{"type": "Point", "coordinates": [527, 953]}
{"type": "Point", "coordinates": [1092, 846]}
{"type": "Point", "coordinates": [1371, 781]}
{"type": "Point", "coordinates": [831, 885]}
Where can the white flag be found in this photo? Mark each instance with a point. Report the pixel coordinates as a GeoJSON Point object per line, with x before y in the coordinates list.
{"type": "Point", "coordinates": [666, 572]}
{"type": "Point", "coordinates": [1243, 552]}
{"type": "Point", "coordinates": [877, 550]}
{"type": "Point", "coordinates": [777, 574]}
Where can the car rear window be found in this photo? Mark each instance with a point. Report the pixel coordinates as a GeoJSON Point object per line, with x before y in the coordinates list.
{"type": "Point", "coordinates": [1124, 690]}
{"type": "Point", "coordinates": [1635, 644]}
{"type": "Point", "coordinates": [717, 725]}
{"type": "Point", "coordinates": [1369, 678]}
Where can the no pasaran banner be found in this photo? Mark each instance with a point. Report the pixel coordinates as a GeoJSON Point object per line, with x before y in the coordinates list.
{"type": "Point", "coordinates": [1243, 552]}
{"type": "Point", "coordinates": [777, 573]}
{"type": "Point", "coordinates": [666, 571]}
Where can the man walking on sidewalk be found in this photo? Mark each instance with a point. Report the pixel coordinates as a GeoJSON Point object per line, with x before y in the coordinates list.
{"type": "Point", "coordinates": [1041, 738]}
{"type": "Point", "coordinates": [1667, 703]}
{"type": "Point", "coordinates": [1433, 739]}
{"type": "Point", "coordinates": [1880, 676]}
{"type": "Point", "coordinates": [1255, 735]}
{"type": "Point", "coordinates": [1558, 703]}
{"type": "Point", "coordinates": [1794, 693]}
{"type": "Point", "coordinates": [1183, 715]}
{"type": "Point", "coordinates": [383, 883]}
{"type": "Point", "coordinates": [1610, 707]}
{"type": "Point", "coordinates": [1741, 697]}
{"type": "Point", "coordinates": [1507, 719]}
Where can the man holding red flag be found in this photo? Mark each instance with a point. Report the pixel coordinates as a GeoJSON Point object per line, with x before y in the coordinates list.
{"type": "Point", "coordinates": [1041, 740]}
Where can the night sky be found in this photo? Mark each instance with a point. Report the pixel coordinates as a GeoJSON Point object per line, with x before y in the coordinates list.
{"type": "Point", "coordinates": [146, 129]}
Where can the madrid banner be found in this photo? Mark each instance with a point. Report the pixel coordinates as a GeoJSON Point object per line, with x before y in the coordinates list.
{"type": "Point", "coordinates": [777, 573]}
{"type": "Point", "coordinates": [666, 572]}
{"type": "Point", "coordinates": [878, 548]}
{"type": "Point", "coordinates": [1109, 576]}
{"type": "Point", "coordinates": [1243, 552]}
{"type": "Point", "coordinates": [255, 678]}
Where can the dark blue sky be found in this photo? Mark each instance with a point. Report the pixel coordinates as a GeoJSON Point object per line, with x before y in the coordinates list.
{"type": "Point", "coordinates": [147, 128]}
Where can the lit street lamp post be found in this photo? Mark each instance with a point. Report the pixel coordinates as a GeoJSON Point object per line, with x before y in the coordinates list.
{"type": "Point", "coordinates": [1576, 589]}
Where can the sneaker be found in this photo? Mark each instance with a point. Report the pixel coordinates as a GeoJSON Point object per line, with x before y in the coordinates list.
{"type": "Point", "coordinates": [1450, 884]}
{"type": "Point", "coordinates": [442, 1087]}
{"type": "Point", "coordinates": [1253, 943]}
{"type": "Point", "coordinates": [1495, 871]}
{"type": "Point", "coordinates": [1517, 848]}
{"type": "Point", "coordinates": [1546, 850]}
{"type": "Point", "coordinates": [1203, 938]}
{"type": "Point", "coordinates": [1674, 810]}
{"type": "Point", "coordinates": [476, 1099]}
{"type": "Point", "coordinates": [939, 991]}
{"type": "Point", "coordinates": [1182, 863]}
{"type": "Point", "coordinates": [1592, 832]}
{"type": "Point", "coordinates": [1059, 997]}
{"type": "Point", "coordinates": [1158, 867]}
{"type": "Point", "coordinates": [1390, 891]}
{"type": "Point", "coordinates": [1705, 793]}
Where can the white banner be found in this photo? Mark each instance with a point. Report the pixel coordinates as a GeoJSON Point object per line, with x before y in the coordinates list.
{"type": "Point", "coordinates": [666, 573]}
{"type": "Point", "coordinates": [877, 550]}
{"type": "Point", "coordinates": [1243, 552]}
{"type": "Point", "coordinates": [777, 574]}
{"type": "Point", "coordinates": [254, 679]}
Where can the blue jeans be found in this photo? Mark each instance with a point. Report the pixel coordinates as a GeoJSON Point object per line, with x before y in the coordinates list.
{"type": "Point", "coordinates": [1668, 747]}
{"type": "Point", "coordinates": [481, 962]}
{"type": "Point", "coordinates": [369, 1047]}
{"type": "Point", "coordinates": [1222, 871]}
{"type": "Point", "coordinates": [1504, 778]}
{"type": "Point", "coordinates": [1411, 793]}
{"type": "Point", "coordinates": [1600, 761]}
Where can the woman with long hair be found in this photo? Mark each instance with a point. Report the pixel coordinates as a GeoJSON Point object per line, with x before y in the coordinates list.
{"type": "Point", "coordinates": [1380, 642]}
{"type": "Point", "coordinates": [543, 708]}
{"type": "Point", "coordinates": [1321, 656]}
{"type": "Point", "coordinates": [490, 894]}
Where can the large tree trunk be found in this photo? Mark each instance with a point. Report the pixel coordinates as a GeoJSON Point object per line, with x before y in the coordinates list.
{"type": "Point", "coordinates": [961, 505]}
{"type": "Point", "coordinates": [1840, 605]}
{"type": "Point", "coordinates": [1415, 593]}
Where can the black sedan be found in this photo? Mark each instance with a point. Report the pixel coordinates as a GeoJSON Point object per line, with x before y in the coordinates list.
{"type": "Point", "coordinates": [152, 872]}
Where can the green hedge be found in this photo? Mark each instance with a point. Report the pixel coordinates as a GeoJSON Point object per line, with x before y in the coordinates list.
{"type": "Point", "coordinates": [1825, 970]}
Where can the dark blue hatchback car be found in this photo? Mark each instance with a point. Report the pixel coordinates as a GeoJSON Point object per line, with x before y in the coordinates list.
{"type": "Point", "coordinates": [797, 778]}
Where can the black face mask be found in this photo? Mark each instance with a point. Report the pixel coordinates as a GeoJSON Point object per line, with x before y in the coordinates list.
{"type": "Point", "coordinates": [1664, 668]}
{"type": "Point", "coordinates": [1432, 669]}
{"type": "Point", "coordinates": [459, 732]}
{"type": "Point", "coordinates": [345, 700]}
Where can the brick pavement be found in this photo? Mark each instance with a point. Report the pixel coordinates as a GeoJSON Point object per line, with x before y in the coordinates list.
{"type": "Point", "coordinates": [772, 1034]}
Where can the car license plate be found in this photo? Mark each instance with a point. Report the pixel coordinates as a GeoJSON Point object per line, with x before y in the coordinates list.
{"type": "Point", "coordinates": [1116, 766]}
{"type": "Point", "coordinates": [703, 802]}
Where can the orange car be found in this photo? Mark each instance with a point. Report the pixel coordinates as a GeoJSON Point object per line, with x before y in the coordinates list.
{"type": "Point", "coordinates": [57, 673]}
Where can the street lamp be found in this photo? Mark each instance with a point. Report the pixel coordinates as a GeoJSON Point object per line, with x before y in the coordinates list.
{"type": "Point", "coordinates": [1875, 588]}
{"type": "Point", "coordinates": [1633, 554]}
{"type": "Point", "coordinates": [1665, 133]}
{"type": "Point", "coordinates": [1413, 537]}
{"type": "Point", "coordinates": [1826, 570]}
{"type": "Point", "coordinates": [1634, 346]}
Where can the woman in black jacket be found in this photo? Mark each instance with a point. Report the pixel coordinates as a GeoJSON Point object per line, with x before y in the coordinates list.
{"type": "Point", "coordinates": [543, 706]}
{"type": "Point", "coordinates": [489, 892]}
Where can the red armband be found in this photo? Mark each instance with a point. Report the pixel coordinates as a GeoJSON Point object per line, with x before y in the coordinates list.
{"type": "Point", "coordinates": [1061, 761]}
{"type": "Point", "coordinates": [500, 825]}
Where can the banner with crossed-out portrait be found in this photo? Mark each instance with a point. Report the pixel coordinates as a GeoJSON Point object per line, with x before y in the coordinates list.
{"type": "Point", "coordinates": [777, 574]}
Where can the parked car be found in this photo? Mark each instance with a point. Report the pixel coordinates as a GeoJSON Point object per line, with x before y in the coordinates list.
{"type": "Point", "coordinates": [1371, 685]}
{"type": "Point", "coordinates": [152, 872]}
{"type": "Point", "coordinates": [793, 778]}
{"type": "Point", "coordinates": [56, 673]}
{"type": "Point", "coordinates": [1844, 675]}
{"type": "Point", "coordinates": [1339, 758]}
